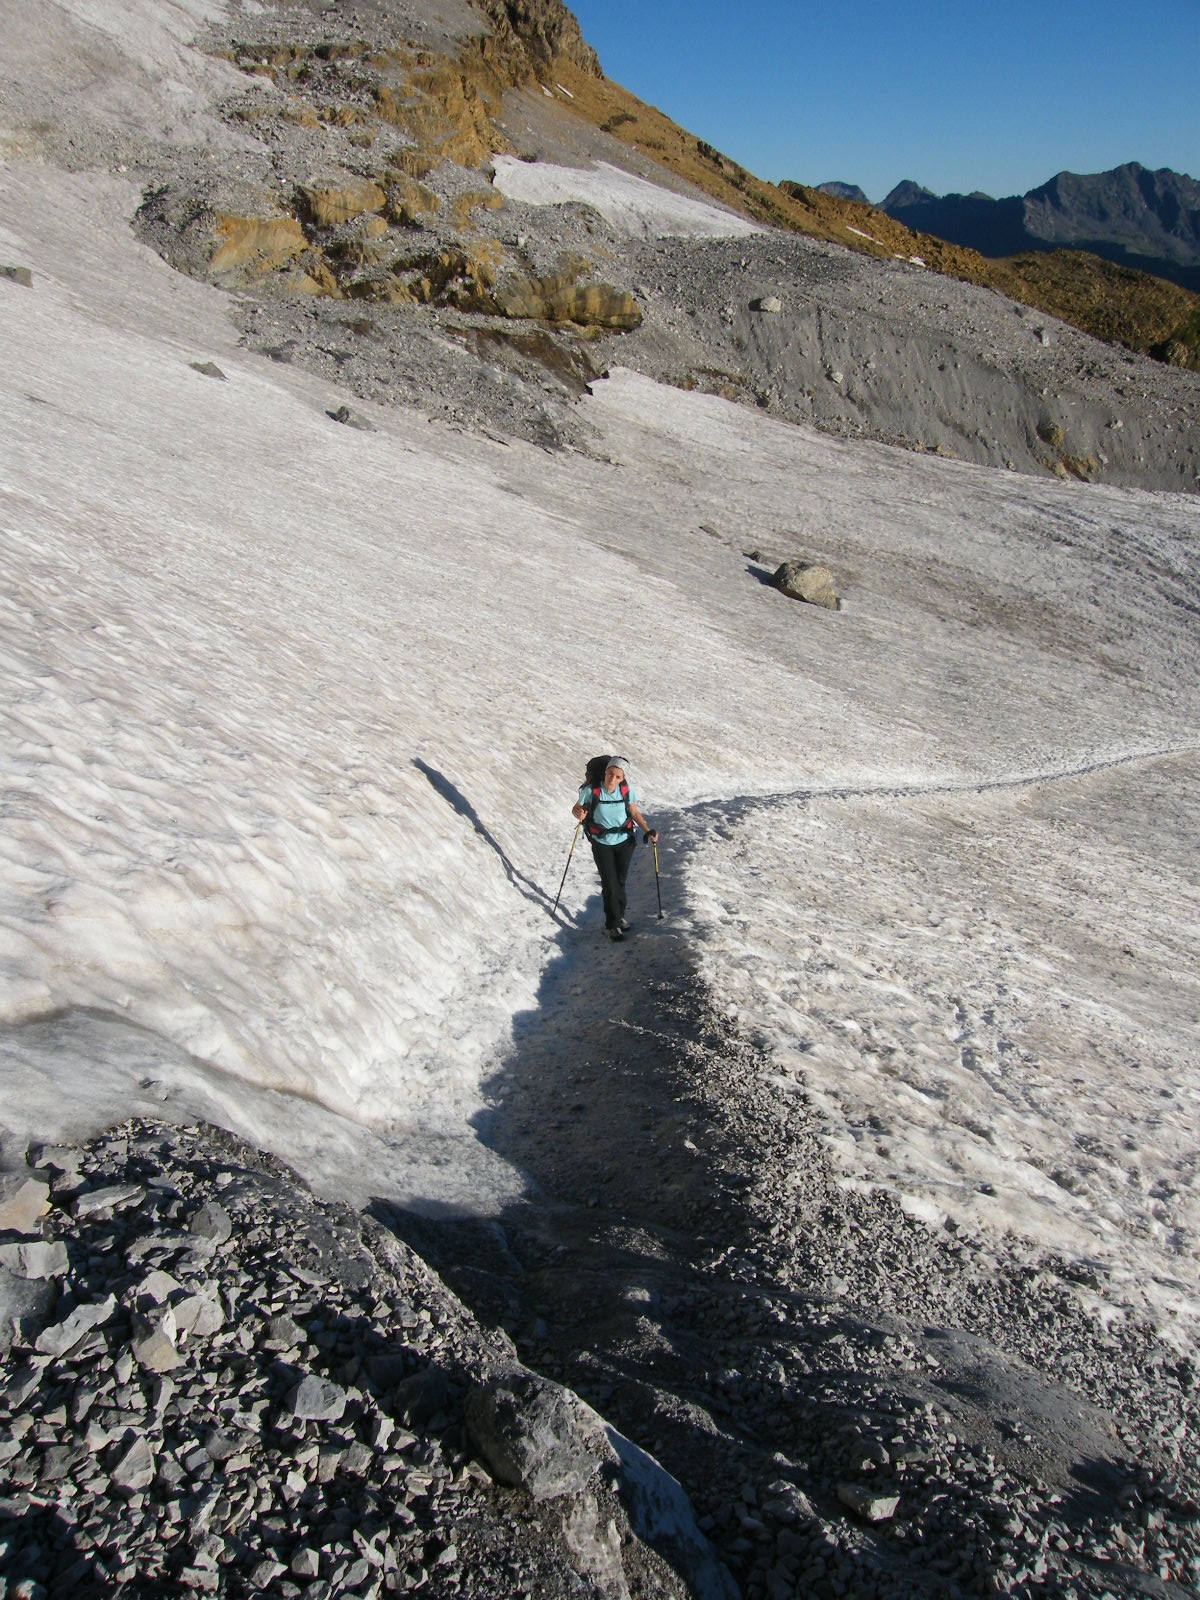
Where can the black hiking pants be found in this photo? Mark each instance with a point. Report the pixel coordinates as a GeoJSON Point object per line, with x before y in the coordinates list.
{"type": "Point", "coordinates": [612, 863]}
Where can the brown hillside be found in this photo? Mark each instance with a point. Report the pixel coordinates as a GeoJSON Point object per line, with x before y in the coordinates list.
{"type": "Point", "coordinates": [1112, 303]}
{"type": "Point", "coordinates": [451, 109]}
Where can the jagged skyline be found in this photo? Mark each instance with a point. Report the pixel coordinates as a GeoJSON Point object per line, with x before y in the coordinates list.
{"type": "Point", "coordinates": [955, 98]}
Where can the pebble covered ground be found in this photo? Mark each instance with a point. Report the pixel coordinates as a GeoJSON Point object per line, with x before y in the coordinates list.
{"type": "Point", "coordinates": [213, 1383]}
{"type": "Point", "coordinates": [858, 1403]}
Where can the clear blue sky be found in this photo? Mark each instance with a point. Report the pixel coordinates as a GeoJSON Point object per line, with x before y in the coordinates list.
{"type": "Point", "coordinates": [955, 94]}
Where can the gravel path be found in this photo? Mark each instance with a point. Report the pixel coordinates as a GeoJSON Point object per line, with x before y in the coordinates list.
{"type": "Point", "coordinates": [804, 1359]}
{"type": "Point", "coordinates": [222, 1385]}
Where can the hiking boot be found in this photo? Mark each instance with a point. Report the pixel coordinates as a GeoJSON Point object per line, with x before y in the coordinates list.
{"type": "Point", "coordinates": [614, 933]}
{"type": "Point", "coordinates": [623, 924]}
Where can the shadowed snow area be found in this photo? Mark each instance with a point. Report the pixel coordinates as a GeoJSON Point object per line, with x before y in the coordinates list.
{"type": "Point", "coordinates": [295, 712]}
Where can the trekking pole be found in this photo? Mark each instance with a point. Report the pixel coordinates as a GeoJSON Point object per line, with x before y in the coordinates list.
{"type": "Point", "coordinates": [566, 869]}
{"type": "Point", "coordinates": [657, 884]}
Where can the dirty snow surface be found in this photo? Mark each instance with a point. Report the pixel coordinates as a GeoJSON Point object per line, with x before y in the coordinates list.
{"type": "Point", "coordinates": [294, 714]}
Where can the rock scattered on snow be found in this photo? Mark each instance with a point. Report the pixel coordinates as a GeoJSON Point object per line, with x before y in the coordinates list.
{"type": "Point", "coordinates": [350, 419]}
{"type": "Point", "coordinates": [804, 580]}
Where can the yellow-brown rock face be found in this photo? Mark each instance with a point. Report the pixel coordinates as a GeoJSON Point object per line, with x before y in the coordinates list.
{"type": "Point", "coordinates": [555, 299]}
{"type": "Point", "coordinates": [324, 206]}
{"type": "Point", "coordinates": [256, 244]}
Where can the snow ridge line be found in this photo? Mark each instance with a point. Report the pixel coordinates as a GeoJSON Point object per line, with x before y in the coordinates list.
{"type": "Point", "coordinates": [737, 807]}
{"type": "Point", "coordinates": [743, 804]}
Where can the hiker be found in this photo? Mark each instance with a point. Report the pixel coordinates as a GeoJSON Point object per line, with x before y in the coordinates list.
{"type": "Point", "coordinates": [608, 809]}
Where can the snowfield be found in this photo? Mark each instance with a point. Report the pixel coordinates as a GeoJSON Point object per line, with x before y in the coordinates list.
{"type": "Point", "coordinates": [628, 203]}
{"type": "Point", "coordinates": [294, 714]}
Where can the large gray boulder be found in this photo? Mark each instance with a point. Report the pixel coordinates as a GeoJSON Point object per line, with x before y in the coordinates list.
{"type": "Point", "coordinates": [23, 1301]}
{"type": "Point", "coordinates": [153, 1343]}
{"type": "Point", "coordinates": [35, 1258]}
{"type": "Point", "coordinates": [532, 1434]}
{"type": "Point", "coordinates": [317, 1399]}
{"type": "Point", "coordinates": [60, 1338]}
{"type": "Point", "coordinates": [213, 1222]}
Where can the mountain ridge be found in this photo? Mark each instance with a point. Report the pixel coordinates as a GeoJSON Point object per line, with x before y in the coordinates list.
{"type": "Point", "coordinates": [1138, 218]}
{"type": "Point", "coordinates": [373, 185]}
{"type": "Point", "coordinates": [1148, 313]}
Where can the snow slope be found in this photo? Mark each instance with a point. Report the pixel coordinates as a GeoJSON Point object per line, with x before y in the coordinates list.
{"type": "Point", "coordinates": [628, 203]}
{"type": "Point", "coordinates": [295, 712]}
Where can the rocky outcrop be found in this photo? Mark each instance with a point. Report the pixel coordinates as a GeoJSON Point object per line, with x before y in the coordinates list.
{"type": "Point", "coordinates": [1064, 460]}
{"type": "Point", "coordinates": [557, 299]}
{"type": "Point", "coordinates": [326, 205]}
{"type": "Point", "coordinates": [409, 203]}
{"type": "Point", "coordinates": [371, 227]}
{"type": "Point", "coordinates": [546, 29]}
{"type": "Point", "coordinates": [254, 246]}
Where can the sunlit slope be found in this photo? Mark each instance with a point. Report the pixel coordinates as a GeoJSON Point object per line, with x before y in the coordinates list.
{"type": "Point", "coordinates": [240, 625]}
{"type": "Point", "coordinates": [1110, 302]}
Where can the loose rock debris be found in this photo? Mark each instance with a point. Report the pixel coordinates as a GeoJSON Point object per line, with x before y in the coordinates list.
{"type": "Point", "coordinates": [227, 1387]}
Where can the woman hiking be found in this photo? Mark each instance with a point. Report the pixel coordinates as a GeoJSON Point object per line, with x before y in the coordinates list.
{"type": "Point", "coordinates": [609, 810]}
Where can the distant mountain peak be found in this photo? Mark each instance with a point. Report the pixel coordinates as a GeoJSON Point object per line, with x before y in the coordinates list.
{"type": "Point", "coordinates": [1149, 220]}
{"type": "Point", "coordinates": [843, 191]}
{"type": "Point", "coordinates": [906, 193]}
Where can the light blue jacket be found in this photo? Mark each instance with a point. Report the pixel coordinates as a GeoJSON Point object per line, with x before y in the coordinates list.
{"type": "Point", "coordinates": [609, 815]}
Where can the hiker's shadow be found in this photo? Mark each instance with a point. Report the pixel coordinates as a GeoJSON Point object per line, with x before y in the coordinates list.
{"type": "Point", "coordinates": [455, 798]}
